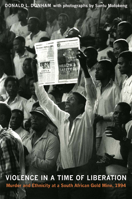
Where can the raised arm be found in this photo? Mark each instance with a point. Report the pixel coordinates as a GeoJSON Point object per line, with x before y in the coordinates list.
{"type": "Point", "coordinates": [51, 109]}
{"type": "Point", "coordinates": [89, 86]}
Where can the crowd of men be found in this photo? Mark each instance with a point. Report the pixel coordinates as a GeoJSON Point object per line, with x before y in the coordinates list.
{"type": "Point", "coordinates": [69, 129]}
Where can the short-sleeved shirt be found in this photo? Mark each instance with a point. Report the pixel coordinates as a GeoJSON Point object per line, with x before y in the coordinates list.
{"type": "Point", "coordinates": [9, 160]}
{"type": "Point", "coordinates": [42, 154]}
{"type": "Point", "coordinates": [57, 34]}
{"type": "Point", "coordinates": [18, 63]}
{"type": "Point", "coordinates": [31, 41]}
{"type": "Point", "coordinates": [19, 30]}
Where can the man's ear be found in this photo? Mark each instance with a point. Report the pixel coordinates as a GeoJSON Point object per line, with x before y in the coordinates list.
{"type": "Point", "coordinates": [81, 106]}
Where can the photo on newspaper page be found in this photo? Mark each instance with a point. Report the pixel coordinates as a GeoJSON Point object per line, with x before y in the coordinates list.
{"type": "Point", "coordinates": [57, 62]}
{"type": "Point", "coordinates": [68, 63]}
{"type": "Point", "coordinates": [46, 57]}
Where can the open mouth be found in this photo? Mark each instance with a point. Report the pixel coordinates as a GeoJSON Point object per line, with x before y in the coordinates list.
{"type": "Point", "coordinates": [67, 107]}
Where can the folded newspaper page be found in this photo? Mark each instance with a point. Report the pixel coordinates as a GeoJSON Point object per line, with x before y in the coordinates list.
{"type": "Point", "coordinates": [57, 62]}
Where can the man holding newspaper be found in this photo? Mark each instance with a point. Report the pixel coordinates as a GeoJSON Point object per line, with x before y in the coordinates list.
{"type": "Point", "coordinates": [75, 125]}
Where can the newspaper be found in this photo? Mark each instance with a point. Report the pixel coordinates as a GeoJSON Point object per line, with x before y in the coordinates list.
{"type": "Point", "coordinates": [57, 62]}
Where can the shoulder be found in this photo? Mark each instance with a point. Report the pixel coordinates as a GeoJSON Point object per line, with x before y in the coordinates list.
{"type": "Point", "coordinates": [7, 140]}
{"type": "Point", "coordinates": [52, 138]}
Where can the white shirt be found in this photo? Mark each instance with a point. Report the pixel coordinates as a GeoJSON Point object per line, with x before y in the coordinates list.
{"type": "Point", "coordinates": [2, 88]}
{"type": "Point", "coordinates": [50, 28]}
{"type": "Point", "coordinates": [18, 63]}
{"type": "Point", "coordinates": [87, 28]}
{"type": "Point", "coordinates": [18, 103]}
{"type": "Point", "coordinates": [29, 105]}
{"type": "Point", "coordinates": [57, 34]}
{"type": "Point", "coordinates": [129, 40]}
{"type": "Point", "coordinates": [103, 53]}
{"type": "Point", "coordinates": [119, 78]}
{"type": "Point", "coordinates": [30, 42]}
{"type": "Point", "coordinates": [126, 92]}
{"type": "Point", "coordinates": [11, 19]}
{"type": "Point", "coordinates": [22, 133]}
{"type": "Point", "coordinates": [19, 30]}
{"type": "Point", "coordinates": [76, 146]}
{"type": "Point", "coordinates": [105, 104]}
{"type": "Point", "coordinates": [111, 146]}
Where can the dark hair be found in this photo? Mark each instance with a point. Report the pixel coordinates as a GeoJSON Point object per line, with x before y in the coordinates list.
{"type": "Point", "coordinates": [12, 79]}
{"type": "Point", "coordinates": [5, 110]}
{"type": "Point", "coordinates": [44, 39]}
{"type": "Point", "coordinates": [81, 99]}
{"type": "Point", "coordinates": [28, 59]}
{"type": "Point", "coordinates": [127, 55]}
{"type": "Point", "coordinates": [24, 10]}
{"type": "Point", "coordinates": [123, 42]}
{"type": "Point", "coordinates": [107, 65]}
{"type": "Point", "coordinates": [20, 38]}
{"type": "Point", "coordinates": [127, 26]}
{"type": "Point", "coordinates": [35, 19]}
{"type": "Point", "coordinates": [125, 107]}
{"type": "Point", "coordinates": [114, 11]}
{"type": "Point", "coordinates": [19, 112]}
{"type": "Point", "coordinates": [53, 11]}
{"type": "Point", "coordinates": [64, 15]}
{"type": "Point", "coordinates": [91, 50]}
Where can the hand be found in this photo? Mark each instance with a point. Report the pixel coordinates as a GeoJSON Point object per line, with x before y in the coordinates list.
{"type": "Point", "coordinates": [82, 58]}
{"type": "Point", "coordinates": [107, 159]}
{"type": "Point", "coordinates": [98, 118]}
{"type": "Point", "coordinates": [34, 68]}
{"type": "Point", "coordinates": [110, 54]}
{"type": "Point", "coordinates": [115, 132]}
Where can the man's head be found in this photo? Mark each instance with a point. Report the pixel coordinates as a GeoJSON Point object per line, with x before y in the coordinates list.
{"type": "Point", "coordinates": [15, 9]}
{"type": "Point", "coordinates": [42, 39]}
{"type": "Point", "coordinates": [119, 46]}
{"type": "Point", "coordinates": [81, 12]}
{"type": "Point", "coordinates": [122, 113]}
{"type": "Point", "coordinates": [104, 70]}
{"type": "Point", "coordinates": [111, 14]}
{"type": "Point", "coordinates": [12, 86]}
{"type": "Point", "coordinates": [19, 44]}
{"type": "Point", "coordinates": [39, 119]}
{"type": "Point", "coordinates": [75, 104]}
{"type": "Point", "coordinates": [33, 24]}
{"type": "Point", "coordinates": [22, 14]}
{"type": "Point", "coordinates": [5, 114]}
{"type": "Point", "coordinates": [63, 21]}
{"type": "Point", "coordinates": [101, 38]}
{"type": "Point", "coordinates": [16, 119]}
{"type": "Point", "coordinates": [73, 32]}
{"type": "Point", "coordinates": [27, 67]}
{"type": "Point", "coordinates": [51, 15]}
{"type": "Point", "coordinates": [124, 30]}
{"type": "Point", "coordinates": [2, 66]}
{"type": "Point", "coordinates": [91, 54]}
{"type": "Point", "coordinates": [125, 62]}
